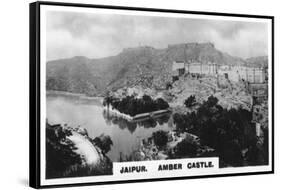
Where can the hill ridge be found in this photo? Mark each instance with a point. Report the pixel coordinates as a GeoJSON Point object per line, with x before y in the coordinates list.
{"type": "Point", "coordinates": [143, 65]}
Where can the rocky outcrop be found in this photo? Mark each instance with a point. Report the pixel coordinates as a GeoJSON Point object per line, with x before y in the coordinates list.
{"type": "Point", "coordinates": [230, 94]}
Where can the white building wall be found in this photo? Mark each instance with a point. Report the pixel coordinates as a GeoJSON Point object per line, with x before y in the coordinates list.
{"type": "Point", "coordinates": [234, 73]}
{"type": "Point", "coordinates": [177, 65]}
{"type": "Point", "coordinates": [237, 73]}
{"type": "Point", "coordinates": [199, 68]}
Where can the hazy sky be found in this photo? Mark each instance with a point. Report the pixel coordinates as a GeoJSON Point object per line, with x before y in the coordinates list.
{"type": "Point", "coordinates": [99, 35]}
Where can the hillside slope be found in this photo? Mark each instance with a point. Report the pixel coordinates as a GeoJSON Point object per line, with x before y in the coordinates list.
{"type": "Point", "coordinates": [141, 66]}
{"type": "Point", "coordinates": [260, 61]}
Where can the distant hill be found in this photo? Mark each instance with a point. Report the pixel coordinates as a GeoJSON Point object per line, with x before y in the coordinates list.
{"type": "Point", "coordinates": [260, 61]}
{"type": "Point", "coordinates": [144, 66]}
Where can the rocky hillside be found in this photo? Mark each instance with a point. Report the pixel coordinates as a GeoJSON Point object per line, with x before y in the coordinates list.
{"type": "Point", "coordinates": [229, 94]}
{"type": "Point", "coordinates": [141, 66]}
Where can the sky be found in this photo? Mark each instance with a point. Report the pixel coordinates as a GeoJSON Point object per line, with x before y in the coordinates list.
{"type": "Point", "coordinates": [92, 35]}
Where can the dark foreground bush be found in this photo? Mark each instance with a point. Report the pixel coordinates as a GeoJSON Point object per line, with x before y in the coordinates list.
{"type": "Point", "coordinates": [104, 142]}
{"type": "Point", "coordinates": [185, 148]}
{"type": "Point", "coordinates": [160, 138]}
{"type": "Point", "coordinates": [59, 151]}
{"type": "Point", "coordinates": [88, 170]}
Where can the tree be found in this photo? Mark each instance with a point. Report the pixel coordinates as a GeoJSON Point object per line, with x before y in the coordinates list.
{"type": "Point", "coordinates": [161, 104]}
{"type": "Point", "coordinates": [180, 122]}
{"type": "Point", "coordinates": [185, 148]}
{"type": "Point", "coordinates": [212, 101]}
{"type": "Point", "coordinates": [60, 153]}
{"type": "Point", "coordinates": [185, 122]}
{"type": "Point", "coordinates": [160, 138]}
{"type": "Point", "coordinates": [265, 145]}
{"type": "Point", "coordinates": [190, 101]}
{"type": "Point", "coordinates": [104, 142]}
{"type": "Point", "coordinates": [107, 101]}
{"type": "Point", "coordinates": [231, 154]}
{"type": "Point", "coordinates": [168, 86]}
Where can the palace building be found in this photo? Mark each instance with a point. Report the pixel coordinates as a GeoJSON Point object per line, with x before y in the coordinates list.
{"type": "Point", "coordinates": [233, 73]}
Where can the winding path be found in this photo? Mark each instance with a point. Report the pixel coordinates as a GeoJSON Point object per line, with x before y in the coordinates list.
{"type": "Point", "coordinates": [85, 148]}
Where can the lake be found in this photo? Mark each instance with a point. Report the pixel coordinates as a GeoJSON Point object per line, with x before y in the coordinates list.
{"type": "Point", "coordinates": [78, 110]}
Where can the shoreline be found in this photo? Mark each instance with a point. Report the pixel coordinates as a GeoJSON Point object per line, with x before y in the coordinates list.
{"type": "Point", "coordinates": [79, 95]}
{"type": "Point", "coordinates": [117, 113]}
{"type": "Point", "coordinates": [138, 116]}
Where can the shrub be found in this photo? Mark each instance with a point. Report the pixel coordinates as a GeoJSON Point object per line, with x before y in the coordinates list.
{"type": "Point", "coordinates": [212, 101]}
{"type": "Point", "coordinates": [104, 142]}
{"type": "Point", "coordinates": [185, 148]}
{"type": "Point", "coordinates": [168, 86]}
{"type": "Point", "coordinates": [190, 101]}
{"type": "Point", "coordinates": [184, 122]}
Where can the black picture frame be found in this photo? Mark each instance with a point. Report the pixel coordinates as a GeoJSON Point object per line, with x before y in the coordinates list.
{"type": "Point", "coordinates": [34, 99]}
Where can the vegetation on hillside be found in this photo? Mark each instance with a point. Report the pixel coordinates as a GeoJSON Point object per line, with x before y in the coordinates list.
{"type": "Point", "coordinates": [227, 131]}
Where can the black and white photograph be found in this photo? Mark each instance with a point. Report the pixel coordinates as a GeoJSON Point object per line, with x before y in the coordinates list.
{"type": "Point", "coordinates": [147, 94]}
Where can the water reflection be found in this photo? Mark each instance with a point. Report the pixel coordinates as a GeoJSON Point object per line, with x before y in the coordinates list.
{"type": "Point", "coordinates": [132, 125]}
{"type": "Point", "coordinates": [76, 99]}
{"type": "Point", "coordinates": [89, 114]}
